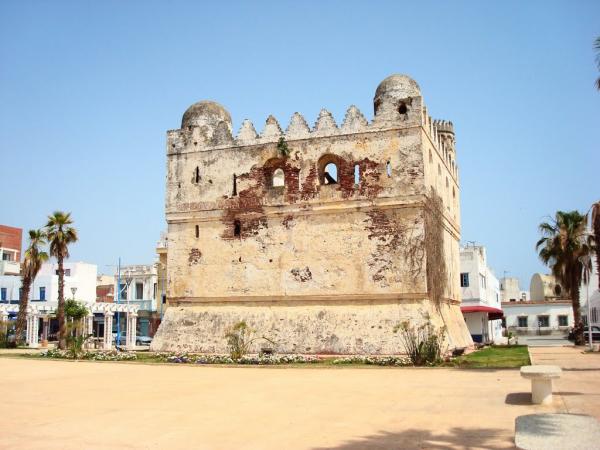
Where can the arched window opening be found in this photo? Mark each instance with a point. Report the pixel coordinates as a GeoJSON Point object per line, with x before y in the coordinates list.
{"type": "Point", "coordinates": [330, 176]}
{"type": "Point", "coordinates": [388, 169]}
{"type": "Point", "coordinates": [278, 178]}
{"type": "Point", "coordinates": [356, 174]}
{"type": "Point", "coordinates": [197, 175]}
{"type": "Point", "coordinates": [234, 184]}
{"type": "Point", "coordinates": [237, 228]}
{"type": "Point", "coordinates": [402, 109]}
{"type": "Point", "coordinates": [197, 231]}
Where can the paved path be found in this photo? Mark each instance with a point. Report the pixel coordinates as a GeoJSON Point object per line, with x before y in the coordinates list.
{"type": "Point", "coordinates": [579, 386]}
{"type": "Point", "coordinates": [62, 404]}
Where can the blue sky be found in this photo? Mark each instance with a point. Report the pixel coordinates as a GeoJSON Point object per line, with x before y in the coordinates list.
{"type": "Point", "coordinates": [88, 90]}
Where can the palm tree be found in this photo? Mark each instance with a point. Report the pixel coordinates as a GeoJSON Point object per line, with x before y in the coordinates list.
{"type": "Point", "coordinates": [32, 263]}
{"type": "Point", "coordinates": [565, 247]}
{"type": "Point", "coordinates": [596, 231]}
{"type": "Point", "coordinates": [60, 235]}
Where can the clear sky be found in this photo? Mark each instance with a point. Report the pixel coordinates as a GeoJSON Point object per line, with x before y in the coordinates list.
{"type": "Point", "coordinates": [88, 90]}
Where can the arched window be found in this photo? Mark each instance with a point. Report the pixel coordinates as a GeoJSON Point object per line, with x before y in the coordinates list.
{"type": "Point", "coordinates": [356, 174]}
{"type": "Point", "coordinates": [330, 175]}
{"type": "Point", "coordinates": [329, 169]}
{"type": "Point", "coordinates": [402, 109]}
{"type": "Point", "coordinates": [388, 169]}
{"type": "Point", "coordinates": [278, 178]}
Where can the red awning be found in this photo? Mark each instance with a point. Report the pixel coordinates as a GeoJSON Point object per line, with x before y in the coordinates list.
{"type": "Point", "coordinates": [493, 313]}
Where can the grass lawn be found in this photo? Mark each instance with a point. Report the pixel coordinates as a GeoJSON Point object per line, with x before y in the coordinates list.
{"type": "Point", "coordinates": [495, 357]}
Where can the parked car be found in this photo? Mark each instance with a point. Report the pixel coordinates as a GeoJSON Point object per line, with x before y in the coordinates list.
{"type": "Point", "coordinates": [143, 340]}
{"type": "Point", "coordinates": [586, 333]}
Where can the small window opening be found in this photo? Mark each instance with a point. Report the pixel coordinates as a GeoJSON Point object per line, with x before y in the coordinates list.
{"type": "Point", "coordinates": [234, 184]}
{"type": "Point", "coordinates": [447, 185]}
{"type": "Point", "coordinates": [388, 169]}
{"type": "Point", "coordinates": [402, 109]}
{"type": "Point", "coordinates": [430, 157]}
{"type": "Point", "coordinates": [237, 228]}
{"type": "Point", "coordinates": [439, 169]}
{"type": "Point", "coordinates": [197, 175]}
{"type": "Point", "coordinates": [197, 231]}
{"type": "Point", "coordinates": [356, 174]}
{"type": "Point", "coordinates": [453, 193]}
{"type": "Point", "coordinates": [331, 174]}
{"type": "Point", "coordinates": [278, 178]}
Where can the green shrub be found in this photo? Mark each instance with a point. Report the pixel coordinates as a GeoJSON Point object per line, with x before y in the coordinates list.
{"type": "Point", "coordinates": [423, 344]}
{"type": "Point", "coordinates": [240, 338]}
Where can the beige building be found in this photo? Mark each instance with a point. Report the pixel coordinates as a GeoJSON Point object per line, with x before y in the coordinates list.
{"type": "Point", "coordinates": [321, 239]}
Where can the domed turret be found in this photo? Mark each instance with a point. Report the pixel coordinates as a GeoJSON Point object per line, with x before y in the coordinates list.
{"type": "Point", "coordinates": [205, 113]}
{"type": "Point", "coordinates": [393, 92]}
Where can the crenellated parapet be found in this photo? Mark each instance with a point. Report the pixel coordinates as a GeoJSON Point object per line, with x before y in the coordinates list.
{"type": "Point", "coordinates": [398, 104]}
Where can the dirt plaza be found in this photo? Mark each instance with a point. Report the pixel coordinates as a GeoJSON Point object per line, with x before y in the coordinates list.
{"type": "Point", "coordinates": [63, 404]}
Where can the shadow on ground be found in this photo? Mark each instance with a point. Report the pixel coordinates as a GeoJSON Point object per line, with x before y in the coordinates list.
{"type": "Point", "coordinates": [459, 438]}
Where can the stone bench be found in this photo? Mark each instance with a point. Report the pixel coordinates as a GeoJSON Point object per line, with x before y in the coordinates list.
{"type": "Point", "coordinates": [541, 382]}
{"type": "Point", "coordinates": [559, 431]}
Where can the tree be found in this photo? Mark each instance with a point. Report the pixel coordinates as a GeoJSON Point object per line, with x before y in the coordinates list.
{"type": "Point", "coordinates": [32, 263]}
{"type": "Point", "coordinates": [565, 247]}
{"type": "Point", "coordinates": [596, 231]}
{"type": "Point", "coordinates": [60, 235]}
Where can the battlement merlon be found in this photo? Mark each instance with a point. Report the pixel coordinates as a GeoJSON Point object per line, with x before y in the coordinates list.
{"type": "Point", "coordinates": [398, 103]}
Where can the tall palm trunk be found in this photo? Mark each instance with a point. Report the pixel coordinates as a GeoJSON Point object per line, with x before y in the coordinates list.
{"type": "Point", "coordinates": [22, 315]}
{"type": "Point", "coordinates": [578, 329]}
{"type": "Point", "coordinates": [62, 326]}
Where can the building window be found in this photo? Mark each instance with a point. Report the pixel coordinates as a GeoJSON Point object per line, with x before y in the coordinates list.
{"type": "Point", "coordinates": [278, 178]}
{"type": "Point", "coordinates": [522, 322]}
{"type": "Point", "coordinates": [3, 293]}
{"type": "Point", "coordinates": [464, 279]}
{"type": "Point", "coordinates": [123, 291]}
{"type": "Point", "coordinates": [543, 321]}
{"type": "Point", "coordinates": [356, 174]}
{"type": "Point", "coordinates": [66, 271]}
{"type": "Point", "coordinates": [139, 291]}
{"type": "Point", "coordinates": [234, 185]}
{"type": "Point", "coordinates": [482, 280]}
{"type": "Point", "coordinates": [6, 257]}
{"type": "Point", "coordinates": [237, 228]}
{"type": "Point", "coordinates": [197, 175]}
{"type": "Point", "coordinates": [563, 321]}
{"type": "Point", "coordinates": [42, 293]}
{"type": "Point", "coordinates": [197, 231]}
{"type": "Point", "coordinates": [523, 296]}
{"type": "Point", "coordinates": [154, 291]}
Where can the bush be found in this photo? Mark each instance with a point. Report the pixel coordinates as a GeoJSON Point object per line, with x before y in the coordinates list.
{"type": "Point", "coordinates": [94, 356]}
{"type": "Point", "coordinates": [240, 338]}
{"type": "Point", "coordinates": [422, 344]}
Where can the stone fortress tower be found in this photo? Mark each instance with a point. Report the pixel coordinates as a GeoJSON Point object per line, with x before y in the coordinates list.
{"type": "Point", "coordinates": [321, 239]}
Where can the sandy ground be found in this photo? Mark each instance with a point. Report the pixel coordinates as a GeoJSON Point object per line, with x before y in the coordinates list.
{"type": "Point", "coordinates": [86, 405]}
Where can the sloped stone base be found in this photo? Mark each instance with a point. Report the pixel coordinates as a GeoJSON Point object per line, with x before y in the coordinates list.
{"type": "Point", "coordinates": [334, 328]}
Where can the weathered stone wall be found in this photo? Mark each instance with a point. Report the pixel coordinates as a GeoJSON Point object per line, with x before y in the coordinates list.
{"type": "Point", "coordinates": [319, 254]}
{"type": "Point", "coordinates": [335, 328]}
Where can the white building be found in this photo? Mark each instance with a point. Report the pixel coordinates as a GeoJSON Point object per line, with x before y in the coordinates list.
{"type": "Point", "coordinates": [138, 286]}
{"type": "Point", "coordinates": [480, 291]}
{"type": "Point", "coordinates": [79, 276]}
{"type": "Point", "coordinates": [538, 317]}
{"type": "Point", "coordinates": [510, 291]}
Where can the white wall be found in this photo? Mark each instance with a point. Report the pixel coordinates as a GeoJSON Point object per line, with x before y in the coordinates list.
{"type": "Point", "coordinates": [82, 277]}
{"type": "Point", "coordinates": [531, 310]}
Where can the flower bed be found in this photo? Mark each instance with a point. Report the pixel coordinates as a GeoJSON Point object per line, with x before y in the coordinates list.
{"type": "Point", "coordinates": [185, 358]}
{"type": "Point", "coordinates": [93, 356]}
{"type": "Point", "coordinates": [374, 360]}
